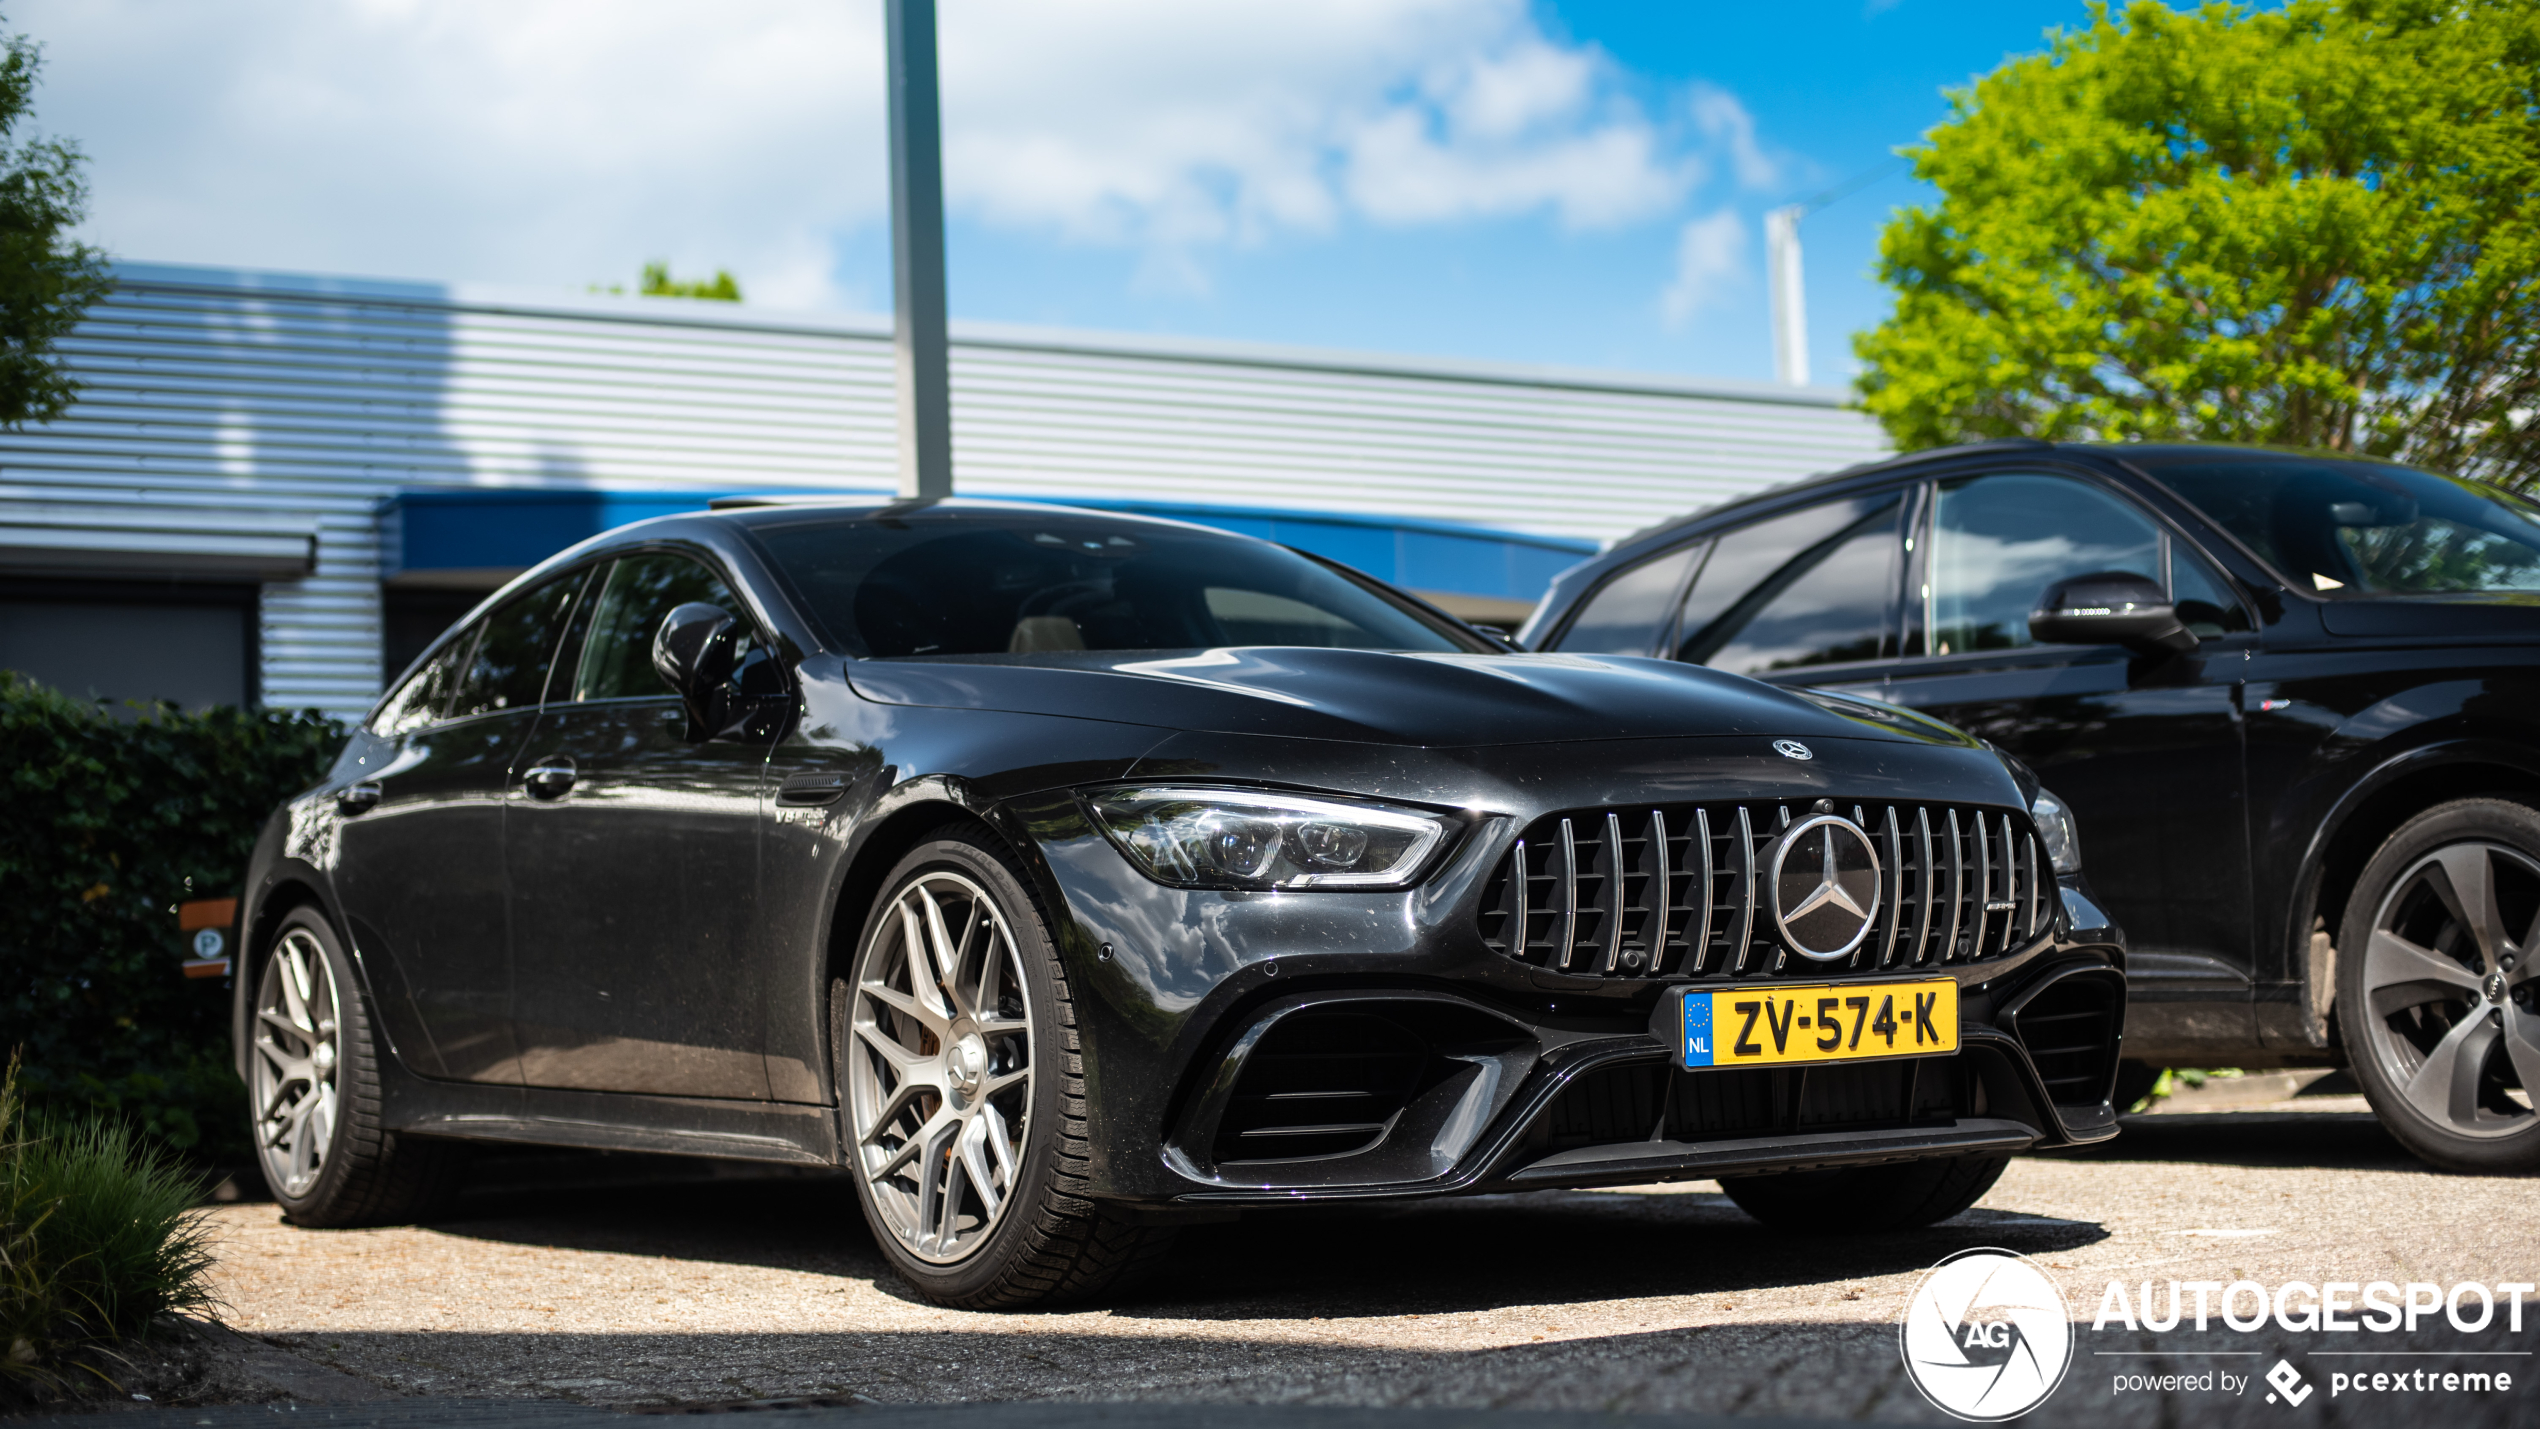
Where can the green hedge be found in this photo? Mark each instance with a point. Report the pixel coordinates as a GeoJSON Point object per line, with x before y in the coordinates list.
{"type": "Point", "coordinates": [112, 817]}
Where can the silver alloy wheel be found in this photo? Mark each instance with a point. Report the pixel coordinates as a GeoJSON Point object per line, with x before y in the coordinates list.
{"type": "Point", "coordinates": [2454, 1016]}
{"type": "Point", "coordinates": [297, 1049]}
{"type": "Point", "coordinates": [939, 1066]}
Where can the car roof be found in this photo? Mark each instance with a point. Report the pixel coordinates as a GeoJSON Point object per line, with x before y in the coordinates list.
{"type": "Point", "coordinates": [1659, 532]}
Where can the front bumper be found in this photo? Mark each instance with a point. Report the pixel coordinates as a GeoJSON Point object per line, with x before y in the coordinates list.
{"type": "Point", "coordinates": [1493, 1104]}
{"type": "Point", "coordinates": [1260, 1049]}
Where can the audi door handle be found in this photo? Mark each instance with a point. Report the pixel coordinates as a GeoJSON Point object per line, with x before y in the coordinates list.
{"type": "Point", "coordinates": [358, 798]}
{"type": "Point", "coordinates": [549, 781]}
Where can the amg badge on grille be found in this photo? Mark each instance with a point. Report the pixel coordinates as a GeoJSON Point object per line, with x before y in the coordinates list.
{"type": "Point", "coordinates": [1825, 881]}
{"type": "Point", "coordinates": [1793, 749]}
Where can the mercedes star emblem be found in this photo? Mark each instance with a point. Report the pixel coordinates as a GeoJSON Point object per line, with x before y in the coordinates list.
{"type": "Point", "coordinates": [1825, 881]}
{"type": "Point", "coordinates": [1792, 749]}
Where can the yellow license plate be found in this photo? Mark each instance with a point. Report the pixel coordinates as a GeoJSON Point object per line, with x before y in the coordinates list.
{"type": "Point", "coordinates": [1758, 1026]}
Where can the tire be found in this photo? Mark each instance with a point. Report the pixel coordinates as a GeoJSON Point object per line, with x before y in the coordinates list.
{"type": "Point", "coordinates": [2438, 986]}
{"type": "Point", "coordinates": [962, 1097]}
{"type": "Point", "coordinates": [314, 1095]}
{"type": "Point", "coordinates": [1901, 1196]}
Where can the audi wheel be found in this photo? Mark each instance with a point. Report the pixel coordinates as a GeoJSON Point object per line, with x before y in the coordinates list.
{"type": "Point", "coordinates": [2436, 997]}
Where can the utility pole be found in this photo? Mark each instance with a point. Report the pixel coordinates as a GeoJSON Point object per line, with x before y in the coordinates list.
{"type": "Point", "coordinates": [919, 346]}
{"type": "Point", "coordinates": [1790, 293]}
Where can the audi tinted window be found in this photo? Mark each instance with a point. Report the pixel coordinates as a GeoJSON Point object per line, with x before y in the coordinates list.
{"type": "Point", "coordinates": [1816, 586]}
{"type": "Point", "coordinates": [1627, 615]}
{"type": "Point", "coordinates": [2347, 527]}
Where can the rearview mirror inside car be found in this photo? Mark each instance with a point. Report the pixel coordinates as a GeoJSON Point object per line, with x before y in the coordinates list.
{"type": "Point", "coordinates": [2110, 608]}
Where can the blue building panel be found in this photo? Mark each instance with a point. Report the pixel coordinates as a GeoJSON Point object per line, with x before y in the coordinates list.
{"type": "Point", "coordinates": [450, 531]}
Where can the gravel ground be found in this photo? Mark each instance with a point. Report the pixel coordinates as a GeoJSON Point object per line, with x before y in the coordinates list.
{"type": "Point", "coordinates": [1649, 1299]}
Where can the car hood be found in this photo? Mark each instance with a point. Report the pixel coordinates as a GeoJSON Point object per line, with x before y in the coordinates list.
{"type": "Point", "coordinates": [1383, 697]}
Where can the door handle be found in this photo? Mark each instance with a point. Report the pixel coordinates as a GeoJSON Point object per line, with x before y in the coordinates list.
{"type": "Point", "coordinates": [551, 780]}
{"type": "Point", "coordinates": [358, 798]}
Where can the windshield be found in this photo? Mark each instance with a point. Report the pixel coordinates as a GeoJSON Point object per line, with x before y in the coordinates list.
{"type": "Point", "coordinates": [1026, 584]}
{"type": "Point", "coordinates": [2344, 527]}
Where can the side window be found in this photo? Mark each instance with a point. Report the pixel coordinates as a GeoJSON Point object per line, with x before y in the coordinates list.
{"type": "Point", "coordinates": [1627, 615]}
{"type": "Point", "coordinates": [1999, 541]}
{"type": "Point", "coordinates": [617, 651]}
{"type": "Point", "coordinates": [421, 700]}
{"type": "Point", "coordinates": [514, 646]}
{"type": "Point", "coordinates": [2205, 603]}
{"type": "Point", "coordinates": [1816, 586]}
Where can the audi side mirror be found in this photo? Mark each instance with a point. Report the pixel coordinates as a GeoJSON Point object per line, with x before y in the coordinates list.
{"type": "Point", "coordinates": [2110, 608]}
{"type": "Point", "coordinates": [694, 653]}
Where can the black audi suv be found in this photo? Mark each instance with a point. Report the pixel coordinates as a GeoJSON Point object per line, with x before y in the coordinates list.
{"type": "Point", "coordinates": [2293, 698]}
{"type": "Point", "coordinates": [1061, 876]}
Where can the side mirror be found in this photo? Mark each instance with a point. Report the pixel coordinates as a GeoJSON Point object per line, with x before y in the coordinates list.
{"type": "Point", "coordinates": [694, 653]}
{"type": "Point", "coordinates": [2110, 608]}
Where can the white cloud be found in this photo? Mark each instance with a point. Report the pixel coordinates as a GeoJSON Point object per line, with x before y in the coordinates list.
{"type": "Point", "coordinates": [1724, 122]}
{"type": "Point", "coordinates": [1710, 260]}
{"type": "Point", "coordinates": [563, 141]}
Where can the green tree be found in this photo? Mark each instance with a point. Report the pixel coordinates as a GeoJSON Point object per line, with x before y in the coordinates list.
{"type": "Point", "coordinates": [46, 280]}
{"type": "Point", "coordinates": [2314, 226]}
{"type": "Point", "coordinates": [659, 284]}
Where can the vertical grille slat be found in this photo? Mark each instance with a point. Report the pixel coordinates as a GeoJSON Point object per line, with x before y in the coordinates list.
{"type": "Point", "coordinates": [2036, 885]}
{"type": "Point", "coordinates": [1677, 891]}
{"type": "Point", "coordinates": [1569, 919]}
{"type": "Point", "coordinates": [1983, 901]}
{"type": "Point", "coordinates": [1895, 887]}
{"type": "Point", "coordinates": [1612, 952]}
{"type": "Point", "coordinates": [1924, 881]}
{"type": "Point", "coordinates": [1742, 900]}
{"type": "Point", "coordinates": [1957, 889]}
{"type": "Point", "coordinates": [1698, 938]}
{"type": "Point", "coordinates": [1662, 890]}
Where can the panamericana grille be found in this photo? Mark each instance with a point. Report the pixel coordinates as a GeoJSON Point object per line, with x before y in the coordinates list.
{"type": "Point", "coordinates": [1676, 891]}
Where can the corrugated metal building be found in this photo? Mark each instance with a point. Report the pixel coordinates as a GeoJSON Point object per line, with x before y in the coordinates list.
{"type": "Point", "coordinates": [286, 480]}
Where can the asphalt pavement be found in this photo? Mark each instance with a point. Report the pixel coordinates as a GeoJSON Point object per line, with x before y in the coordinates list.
{"type": "Point", "coordinates": [614, 1287]}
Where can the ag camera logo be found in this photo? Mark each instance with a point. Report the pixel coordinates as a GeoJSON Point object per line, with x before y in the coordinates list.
{"type": "Point", "coordinates": [1987, 1335]}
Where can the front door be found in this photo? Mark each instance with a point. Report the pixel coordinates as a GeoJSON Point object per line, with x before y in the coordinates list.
{"type": "Point", "coordinates": [633, 857]}
{"type": "Point", "coordinates": [2145, 751]}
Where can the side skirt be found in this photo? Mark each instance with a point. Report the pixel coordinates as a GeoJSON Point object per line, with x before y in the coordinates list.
{"type": "Point", "coordinates": [613, 1121]}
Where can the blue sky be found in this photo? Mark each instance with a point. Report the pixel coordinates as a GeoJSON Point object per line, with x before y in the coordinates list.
{"type": "Point", "coordinates": [1580, 183]}
{"type": "Point", "coordinates": [1834, 87]}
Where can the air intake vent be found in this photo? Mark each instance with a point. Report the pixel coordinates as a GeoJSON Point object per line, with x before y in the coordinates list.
{"type": "Point", "coordinates": [1676, 891]}
{"type": "Point", "coordinates": [1321, 1084]}
{"type": "Point", "coordinates": [2070, 1030]}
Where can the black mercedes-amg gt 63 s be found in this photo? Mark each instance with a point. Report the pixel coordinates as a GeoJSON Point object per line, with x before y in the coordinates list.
{"type": "Point", "coordinates": [1062, 876]}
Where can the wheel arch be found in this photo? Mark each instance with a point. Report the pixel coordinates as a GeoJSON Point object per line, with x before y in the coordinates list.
{"type": "Point", "coordinates": [285, 892]}
{"type": "Point", "coordinates": [2362, 819]}
{"type": "Point", "coordinates": [905, 827]}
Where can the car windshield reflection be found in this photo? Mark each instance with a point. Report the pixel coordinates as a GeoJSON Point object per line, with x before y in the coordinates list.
{"type": "Point", "coordinates": [2345, 527]}
{"type": "Point", "coordinates": [1034, 584]}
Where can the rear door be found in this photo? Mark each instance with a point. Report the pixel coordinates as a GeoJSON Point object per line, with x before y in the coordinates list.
{"type": "Point", "coordinates": [420, 872]}
{"type": "Point", "coordinates": [633, 858]}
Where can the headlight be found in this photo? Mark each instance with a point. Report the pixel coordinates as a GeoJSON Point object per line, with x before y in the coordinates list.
{"type": "Point", "coordinates": [1241, 838]}
{"type": "Point", "coordinates": [2055, 825]}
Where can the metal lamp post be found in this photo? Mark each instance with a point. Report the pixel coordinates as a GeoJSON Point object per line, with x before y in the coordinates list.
{"type": "Point", "coordinates": [919, 346]}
